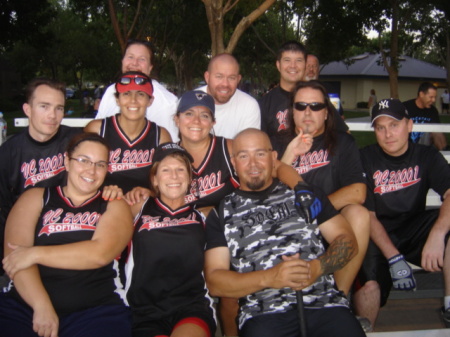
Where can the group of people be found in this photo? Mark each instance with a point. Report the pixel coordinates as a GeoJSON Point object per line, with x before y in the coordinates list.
{"type": "Point", "coordinates": [159, 204]}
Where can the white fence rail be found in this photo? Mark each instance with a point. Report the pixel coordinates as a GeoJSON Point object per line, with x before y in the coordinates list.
{"type": "Point", "coordinates": [355, 124]}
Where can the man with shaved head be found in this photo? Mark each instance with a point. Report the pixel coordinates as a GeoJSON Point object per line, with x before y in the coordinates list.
{"type": "Point", "coordinates": [235, 110]}
{"type": "Point", "coordinates": [275, 250]}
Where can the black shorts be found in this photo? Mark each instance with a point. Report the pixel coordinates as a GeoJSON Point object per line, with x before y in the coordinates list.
{"type": "Point", "coordinates": [16, 319]}
{"type": "Point", "coordinates": [409, 240]}
{"type": "Point", "coordinates": [197, 314]}
{"type": "Point", "coordinates": [324, 322]}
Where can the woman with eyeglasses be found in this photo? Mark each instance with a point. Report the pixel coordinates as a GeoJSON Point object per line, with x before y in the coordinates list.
{"type": "Point", "coordinates": [131, 137]}
{"type": "Point", "coordinates": [165, 285]}
{"type": "Point", "coordinates": [61, 243]}
{"type": "Point", "coordinates": [332, 163]}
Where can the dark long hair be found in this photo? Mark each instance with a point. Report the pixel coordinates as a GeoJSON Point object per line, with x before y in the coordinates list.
{"type": "Point", "coordinates": [330, 128]}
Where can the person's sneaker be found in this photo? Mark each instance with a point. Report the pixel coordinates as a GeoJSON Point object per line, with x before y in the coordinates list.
{"type": "Point", "coordinates": [365, 323]}
{"type": "Point", "coordinates": [446, 316]}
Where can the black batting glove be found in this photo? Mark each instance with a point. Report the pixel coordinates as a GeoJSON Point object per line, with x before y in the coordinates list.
{"type": "Point", "coordinates": [307, 204]}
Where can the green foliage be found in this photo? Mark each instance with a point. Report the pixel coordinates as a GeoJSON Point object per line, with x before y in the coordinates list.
{"type": "Point", "coordinates": [69, 47]}
{"type": "Point", "coordinates": [74, 40]}
{"type": "Point", "coordinates": [333, 27]}
{"type": "Point", "coordinates": [22, 20]}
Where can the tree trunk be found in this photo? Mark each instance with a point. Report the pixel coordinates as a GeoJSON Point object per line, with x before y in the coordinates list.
{"type": "Point", "coordinates": [447, 61]}
{"type": "Point", "coordinates": [124, 34]}
{"type": "Point", "coordinates": [215, 12]}
{"type": "Point", "coordinates": [392, 65]}
{"type": "Point", "coordinates": [245, 23]}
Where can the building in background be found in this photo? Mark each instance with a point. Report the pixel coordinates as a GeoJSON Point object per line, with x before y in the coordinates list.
{"type": "Point", "coordinates": [355, 77]}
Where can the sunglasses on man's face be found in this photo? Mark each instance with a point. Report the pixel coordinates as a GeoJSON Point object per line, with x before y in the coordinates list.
{"type": "Point", "coordinates": [314, 106]}
{"type": "Point", "coordinates": [137, 80]}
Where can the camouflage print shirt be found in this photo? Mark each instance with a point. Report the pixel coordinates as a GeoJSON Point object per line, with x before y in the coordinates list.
{"type": "Point", "coordinates": [260, 227]}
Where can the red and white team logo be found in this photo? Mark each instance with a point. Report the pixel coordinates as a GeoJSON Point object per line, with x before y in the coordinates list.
{"type": "Point", "coordinates": [129, 160]}
{"type": "Point", "coordinates": [206, 185]}
{"type": "Point", "coordinates": [390, 181]}
{"type": "Point", "coordinates": [154, 222]}
{"type": "Point", "coordinates": [311, 161]}
{"type": "Point", "coordinates": [44, 169]}
{"type": "Point", "coordinates": [281, 116]}
{"type": "Point", "coordinates": [53, 222]}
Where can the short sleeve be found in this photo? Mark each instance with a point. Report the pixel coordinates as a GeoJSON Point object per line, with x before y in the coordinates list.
{"type": "Point", "coordinates": [215, 236]}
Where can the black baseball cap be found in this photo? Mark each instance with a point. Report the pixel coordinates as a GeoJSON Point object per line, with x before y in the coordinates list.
{"type": "Point", "coordinates": [390, 107]}
{"type": "Point", "coordinates": [196, 98]}
{"type": "Point", "coordinates": [165, 149]}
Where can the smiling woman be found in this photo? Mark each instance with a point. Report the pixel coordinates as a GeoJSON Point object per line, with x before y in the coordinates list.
{"type": "Point", "coordinates": [61, 245]}
{"type": "Point", "coordinates": [131, 136]}
{"type": "Point", "coordinates": [168, 241]}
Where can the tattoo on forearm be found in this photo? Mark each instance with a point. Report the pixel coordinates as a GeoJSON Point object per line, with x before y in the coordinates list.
{"type": "Point", "coordinates": [340, 251]}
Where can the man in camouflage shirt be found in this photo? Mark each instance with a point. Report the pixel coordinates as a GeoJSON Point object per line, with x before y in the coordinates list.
{"type": "Point", "coordinates": [274, 251]}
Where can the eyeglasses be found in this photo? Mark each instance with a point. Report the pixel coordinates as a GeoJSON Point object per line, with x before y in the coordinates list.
{"type": "Point", "coordinates": [137, 80]}
{"type": "Point", "coordinates": [86, 163]}
{"type": "Point", "coordinates": [315, 106]}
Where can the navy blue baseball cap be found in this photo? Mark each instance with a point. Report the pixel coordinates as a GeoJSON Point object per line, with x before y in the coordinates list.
{"type": "Point", "coordinates": [196, 98]}
{"type": "Point", "coordinates": [390, 107]}
{"type": "Point", "coordinates": [165, 149]}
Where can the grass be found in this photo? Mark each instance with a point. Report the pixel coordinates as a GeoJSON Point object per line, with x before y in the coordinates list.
{"type": "Point", "coordinates": [362, 138]}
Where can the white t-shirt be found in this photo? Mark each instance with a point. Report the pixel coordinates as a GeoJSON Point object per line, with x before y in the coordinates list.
{"type": "Point", "coordinates": [239, 113]}
{"type": "Point", "coordinates": [161, 111]}
{"type": "Point", "coordinates": [445, 98]}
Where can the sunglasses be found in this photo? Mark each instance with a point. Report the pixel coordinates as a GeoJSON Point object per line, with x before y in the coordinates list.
{"type": "Point", "coordinates": [315, 106]}
{"type": "Point", "coordinates": [137, 80]}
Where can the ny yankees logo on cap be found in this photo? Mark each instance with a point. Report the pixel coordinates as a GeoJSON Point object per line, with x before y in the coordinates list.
{"type": "Point", "coordinates": [389, 107]}
{"type": "Point", "coordinates": [384, 104]}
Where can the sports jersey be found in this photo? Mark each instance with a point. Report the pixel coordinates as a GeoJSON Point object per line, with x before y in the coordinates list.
{"type": "Point", "coordinates": [397, 187]}
{"type": "Point", "coordinates": [26, 163]}
{"type": "Point", "coordinates": [331, 171]}
{"type": "Point", "coordinates": [260, 227]}
{"type": "Point", "coordinates": [274, 113]}
{"type": "Point", "coordinates": [60, 222]}
{"type": "Point", "coordinates": [130, 161]}
{"type": "Point", "coordinates": [274, 110]}
{"type": "Point", "coordinates": [239, 113]}
{"type": "Point", "coordinates": [214, 178]}
{"type": "Point", "coordinates": [161, 111]}
{"type": "Point", "coordinates": [421, 116]}
{"type": "Point", "coordinates": [165, 267]}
